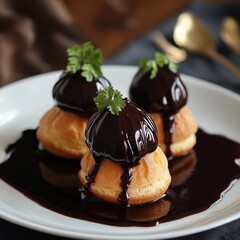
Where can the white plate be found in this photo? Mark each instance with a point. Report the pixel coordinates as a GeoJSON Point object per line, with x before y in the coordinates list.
{"type": "Point", "coordinates": [216, 110]}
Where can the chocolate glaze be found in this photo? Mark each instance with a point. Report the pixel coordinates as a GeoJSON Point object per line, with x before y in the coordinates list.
{"type": "Point", "coordinates": [168, 123]}
{"type": "Point", "coordinates": [72, 92]}
{"type": "Point", "coordinates": [198, 180]}
{"type": "Point", "coordinates": [132, 132]}
{"type": "Point", "coordinates": [123, 138]}
{"type": "Point", "coordinates": [126, 179]}
{"type": "Point", "coordinates": [164, 94]}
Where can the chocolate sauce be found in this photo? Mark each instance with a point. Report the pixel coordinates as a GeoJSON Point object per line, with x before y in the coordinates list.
{"type": "Point", "coordinates": [168, 123]}
{"type": "Point", "coordinates": [164, 94]}
{"type": "Point", "coordinates": [126, 179]}
{"type": "Point", "coordinates": [85, 192]}
{"type": "Point", "coordinates": [198, 179]}
{"type": "Point", "coordinates": [72, 92]}
{"type": "Point", "coordinates": [91, 175]}
{"type": "Point", "coordinates": [133, 134]}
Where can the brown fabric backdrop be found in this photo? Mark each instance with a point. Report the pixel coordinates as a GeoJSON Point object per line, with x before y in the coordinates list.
{"type": "Point", "coordinates": [34, 34]}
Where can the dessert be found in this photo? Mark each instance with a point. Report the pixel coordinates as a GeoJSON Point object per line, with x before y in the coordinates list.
{"type": "Point", "coordinates": [61, 129]}
{"type": "Point", "coordinates": [213, 170]}
{"type": "Point", "coordinates": [124, 164]}
{"type": "Point", "coordinates": [158, 89]}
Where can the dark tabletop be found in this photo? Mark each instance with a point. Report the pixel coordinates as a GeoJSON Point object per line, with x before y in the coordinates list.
{"type": "Point", "coordinates": [198, 66]}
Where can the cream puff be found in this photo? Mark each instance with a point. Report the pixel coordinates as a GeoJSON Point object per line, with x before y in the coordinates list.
{"type": "Point", "coordinates": [61, 129]}
{"type": "Point", "coordinates": [124, 164]}
{"type": "Point", "coordinates": [158, 89]}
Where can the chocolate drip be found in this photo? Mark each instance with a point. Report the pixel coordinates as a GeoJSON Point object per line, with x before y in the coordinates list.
{"type": "Point", "coordinates": [123, 138]}
{"type": "Point", "coordinates": [125, 182]}
{"type": "Point", "coordinates": [85, 192]}
{"type": "Point", "coordinates": [73, 93]}
{"type": "Point", "coordinates": [92, 174]}
{"type": "Point", "coordinates": [165, 94]}
{"type": "Point", "coordinates": [168, 123]}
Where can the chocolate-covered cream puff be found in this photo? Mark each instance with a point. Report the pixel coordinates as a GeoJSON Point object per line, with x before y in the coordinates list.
{"type": "Point", "coordinates": [124, 163]}
{"type": "Point", "coordinates": [158, 89]}
{"type": "Point", "coordinates": [61, 130]}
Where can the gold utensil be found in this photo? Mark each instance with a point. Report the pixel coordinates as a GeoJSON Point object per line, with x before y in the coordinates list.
{"type": "Point", "coordinates": [230, 33]}
{"type": "Point", "coordinates": [174, 53]}
{"type": "Point", "coordinates": [191, 34]}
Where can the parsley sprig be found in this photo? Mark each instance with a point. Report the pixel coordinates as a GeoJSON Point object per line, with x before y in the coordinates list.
{"type": "Point", "coordinates": [85, 58]}
{"type": "Point", "coordinates": [111, 99]}
{"type": "Point", "coordinates": [153, 64]}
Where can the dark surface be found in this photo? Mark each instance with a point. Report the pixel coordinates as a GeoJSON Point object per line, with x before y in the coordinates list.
{"type": "Point", "coordinates": [196, 66]}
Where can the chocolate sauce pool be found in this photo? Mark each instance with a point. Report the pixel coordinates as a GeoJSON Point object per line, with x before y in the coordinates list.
{"type": "Point", "coordinates": [198, 179]}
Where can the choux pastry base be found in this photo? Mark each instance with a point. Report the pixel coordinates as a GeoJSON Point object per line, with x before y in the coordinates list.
{"type": "Point", "coordinates": [183, 137]}
{"type": "Point", "coordinates": [62, 133]}
{"type": "Point", "coordinates": [151, 178]}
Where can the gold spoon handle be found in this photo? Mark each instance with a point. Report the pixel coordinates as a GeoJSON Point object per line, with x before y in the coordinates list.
{"type": "Point", "coordinates": [226, 62]}
{"type": "Point", "coordinates": [175, 54]}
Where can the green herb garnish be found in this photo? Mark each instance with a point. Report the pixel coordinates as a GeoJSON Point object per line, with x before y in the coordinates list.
{"type": "Point", "coordinates": [153, 64]}
{"type": "Point", "coordinates": [85, 58]}
{"type": "Point", "coordinates": [111, 99]}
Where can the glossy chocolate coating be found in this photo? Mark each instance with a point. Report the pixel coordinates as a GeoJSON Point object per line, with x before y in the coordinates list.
{"type": "Point", "coordinates": [72, 92]}
{"type": "Point", "coordinates": [165, 94]}
{"type": "Point", "coordinates": [123, 138]}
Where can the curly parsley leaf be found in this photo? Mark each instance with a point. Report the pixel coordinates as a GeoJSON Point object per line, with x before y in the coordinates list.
{"type": "Point", "coordinates": [85, 58]}
{"type": "Point", "coordinates": [111, 99]}
{"type": "Point", "coordinates": [152, 65]}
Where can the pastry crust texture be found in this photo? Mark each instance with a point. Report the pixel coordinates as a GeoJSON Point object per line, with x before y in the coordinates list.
{"type": "Point", "coordinates": [184, 130]}
{"type": "Point", "coordinates": [62, 133]}
{"type": "Point", "coordinates": [151, 178]}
